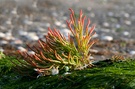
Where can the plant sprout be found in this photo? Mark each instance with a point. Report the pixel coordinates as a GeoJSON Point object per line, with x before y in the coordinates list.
{"type": "Point", "coordinates": [57, 53]}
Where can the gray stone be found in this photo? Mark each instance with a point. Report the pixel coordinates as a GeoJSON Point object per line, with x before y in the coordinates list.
{"type": "Point", "coordinates": [22, 49]}
{"type": "Point", "coordinates": [132, 52]}
{"type": "Point", "coordinates": [126, 33]}
{"type": "Point", "coordinates": [2, 35]}
{"type": "Point", "coordinates": [3, 42]}
{"type": "Point", "coordinates": [107, 38]}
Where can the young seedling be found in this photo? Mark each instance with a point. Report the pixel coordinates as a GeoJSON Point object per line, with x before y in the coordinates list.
{"type": "Point", "coordinates": [58, 53]}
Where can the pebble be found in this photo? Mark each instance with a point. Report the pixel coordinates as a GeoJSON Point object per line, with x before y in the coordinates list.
{"type": "Point", "coordinates": [31, 52]}
{"type": "Point", "coordinates": [47, 24]}
{"type": "Point", "coordinates": [92, 15]}
{"type": "Point", "coordinates": [126, 15]}
{"type": "Point", "coordinates": [54, 14]}
{"type": "Point", "coordinates": [127, 22]}
{"type": "Point", "coordinates": [64, 25]}
{"type": "Point", "coordinates": [34, 5]}
{"type": "Point", "coordinates": [110, 14]}
{"type": "Point", "coordinates": [106, 24]}
{"type": "Point", "coordinates": [89, 8]}
{"type": "Point", "coordinates": [132, 52]}
{"type": "Point", "coordinates": [28, 22]}
{"type": "Point", "coordinates": [8, 22]}
{"type": "Point", "coordinates": [9, 38]}
{"type": "Point", "coordinates": [94, 51]}
{"type": "Point", "coordinates": [107, 38]}
{"type": "Point", "coordinates": [3, 28]}
{"type": "Point", "coordinates": [1, 50]}
{"type": "Point", "coordinates": [22, 49]}
{"type": "Point", "coordinates": [65, 32]}
{"type": "Point", "coordinates": [40, 29]}
{"type": "Point", "coordinates": [3, 42]}
{"type": "Point", "coordinates": [2, 35]}
{"type": "Point", "coordinates": [95, 36]}
{"type": "Point", "coordinates": [55, 71]}
{"type": "Point", "coordinates": [126, 33]}
{"type": "Point", "coordinates": [22, 33]}
{"type": "Point", "coordinates": [16, 42]}
{"type": "Point", "coordinates": [67, 73]}
{"type": "Point", "coordinates": [58, 23]}
{"type": "Point", "coordinates": [31, 36]}
{"type": "Point", "coordinates": [9, 33]}
{"type": "Point", "coordinates": [118, 26]}
{"type": "Point", "coordinates": [64, 18]}
{"type": "Point", "coordinates": [105, 30]}
{"type": "Point", "coordinates": [91, 58]}
{"type": "Point", "coordinates": [14, 11]}
{"type": "Point", "coordinates": [133, 17]}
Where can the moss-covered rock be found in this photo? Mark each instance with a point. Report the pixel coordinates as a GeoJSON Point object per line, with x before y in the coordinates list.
{"type": "Point", "coordinates": [105, 75]}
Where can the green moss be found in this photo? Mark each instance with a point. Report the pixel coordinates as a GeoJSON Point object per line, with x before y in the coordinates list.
{"type": "Point", "coordinates": [105, 75]}
{"type": "Point", "coordinates": [6, 65]}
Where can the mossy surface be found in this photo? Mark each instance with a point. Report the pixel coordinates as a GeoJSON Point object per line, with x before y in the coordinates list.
{"type": "Point", "coordinates": [105, 75]}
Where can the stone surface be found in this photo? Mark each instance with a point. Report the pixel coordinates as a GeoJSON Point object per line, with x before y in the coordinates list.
{"type": "Point", "coordinates": [26, 21]}
{"type": "Point", "coordinates": [107, 38]}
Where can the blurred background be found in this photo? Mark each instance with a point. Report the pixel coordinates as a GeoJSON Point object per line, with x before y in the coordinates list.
{"type": "Point", "coordinates": [26, 21]}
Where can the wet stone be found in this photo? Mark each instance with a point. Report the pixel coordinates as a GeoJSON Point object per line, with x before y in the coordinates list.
{"type": "Point", "coordinates": [126, 15]}
{"type": "Point", "coordinates": [16, 42]}
{"type": "Point", "coordinates": [106, 24]}
{"type": "Point", "coordinates": [1, 50]}
{"type": "Point", "coordinates": [22, 49]}
{"type": "Point", "coordinates": [107, 38]}
{"type": "Point", "coordinates": [92, 15]}
{"type": "Point", "coordinates": [31, 23]}
{"type": "Point", "coordinates": [31, 36]}
{"type": "Point", "coordinates": [22, 33]}
{"type": "Point", "coordinates": [65, 32]}
{"type": "Point", "coordinates": [126, 33]}
{"type": "Point", "coordinates": [110, 14]}
{"type": "Point", "coordinates": [127, 22]}
{"type": "Point", "coordinates": [2, 35]}
{"type": "Point", "coordinates": [117, 25]}
{"type": "Point", "coordinates": [57, 23]}
{"type": "Point", "coordinates": [95, 36]}
{"type": "Point", "coordinates": [31, 52]}
{"type": "Point", "coordinates": [3, 42]}
{"type": "Point", "coordinates": [132, 52]}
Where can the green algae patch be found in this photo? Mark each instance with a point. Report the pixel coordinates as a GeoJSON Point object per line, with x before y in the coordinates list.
{"type": "Point", "coordinates": [105, 75]}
